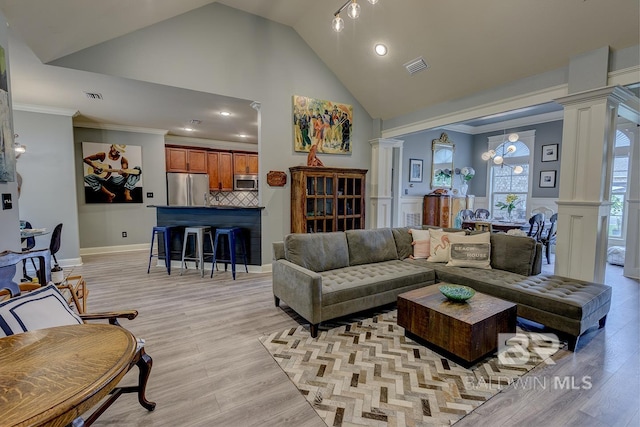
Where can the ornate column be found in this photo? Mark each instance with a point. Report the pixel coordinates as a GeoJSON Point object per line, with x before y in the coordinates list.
{"type": "Point", "coordinates": [585, 183]}
{"type": "Point", "coordinates": [383, 185]}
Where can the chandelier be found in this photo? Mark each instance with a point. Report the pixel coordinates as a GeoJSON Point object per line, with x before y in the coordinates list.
{"type": "Point", "coordinates": [498, 158]}
{"type": "Point", "coordinates": [353, 11]}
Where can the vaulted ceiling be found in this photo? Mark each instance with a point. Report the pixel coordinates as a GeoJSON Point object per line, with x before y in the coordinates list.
{"type": "Point", "coordinates": [470, 46]}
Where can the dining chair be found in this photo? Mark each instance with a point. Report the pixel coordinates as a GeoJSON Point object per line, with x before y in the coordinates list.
{"type": "Point", "coordinates": [466, 214]}
{"type": "Point", "coordinates": [28, 243]}
{"type": "Point", "coordinates": [536, 225]}
{"type": "Point", "coordinates": [54, 244]}
{"type": "Point", "coordinates": [483, 226]}
{"type": "Point", "coordinates": [33, 299]}
{"type": "Point", "coordinates": [550, 237]}
{"type": "Point", "coordinates": [545, 211]}
{"type": "Point", "coordinates": [482, 213]}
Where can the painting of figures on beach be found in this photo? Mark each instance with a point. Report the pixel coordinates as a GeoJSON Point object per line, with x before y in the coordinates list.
{"type": "Point", "coordinates": [325, 124]}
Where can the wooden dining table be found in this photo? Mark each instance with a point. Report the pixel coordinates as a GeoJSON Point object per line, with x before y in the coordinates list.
{"type": "Point", "coordinates": [52, 376]}
{"type": "Point", "coordinates": [496, 225]}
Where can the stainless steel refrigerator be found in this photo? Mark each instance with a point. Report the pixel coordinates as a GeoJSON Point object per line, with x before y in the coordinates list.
{"type": "Point", "coordinates": [187, 189]}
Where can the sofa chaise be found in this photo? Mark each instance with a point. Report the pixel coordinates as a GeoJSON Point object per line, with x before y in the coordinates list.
{"type": "Point", "coordinates": [328, 275]}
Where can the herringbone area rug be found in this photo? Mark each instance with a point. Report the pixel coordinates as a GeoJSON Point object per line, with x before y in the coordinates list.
{"type": "Point", "coordinates": [369, 374]}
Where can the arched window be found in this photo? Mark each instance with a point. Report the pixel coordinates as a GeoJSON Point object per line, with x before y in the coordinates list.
{"type": "Point", "coordinates": [503, 181]}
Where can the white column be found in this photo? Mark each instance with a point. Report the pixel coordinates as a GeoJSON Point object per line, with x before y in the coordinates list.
{"type": "Point", "coordinates": [585, 181]}
{"type": "Point", "coordinates": [381, 179]}
{"type": "Point", "coordinates": [632, 240]}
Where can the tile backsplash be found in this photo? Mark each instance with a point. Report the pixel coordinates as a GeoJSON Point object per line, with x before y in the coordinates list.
{"type": "Point", "coordinates": [234, 198]}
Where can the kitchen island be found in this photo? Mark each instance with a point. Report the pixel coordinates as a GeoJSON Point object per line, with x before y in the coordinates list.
{"type": "Point", "coordinates": [220, 216]}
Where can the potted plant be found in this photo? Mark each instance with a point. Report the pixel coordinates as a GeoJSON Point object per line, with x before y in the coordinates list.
{"type": "Point", "coordinates": [509, 204]}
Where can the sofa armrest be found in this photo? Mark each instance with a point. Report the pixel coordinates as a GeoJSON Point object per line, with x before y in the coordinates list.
{"type": "Point", "coordinates": [299, 287]}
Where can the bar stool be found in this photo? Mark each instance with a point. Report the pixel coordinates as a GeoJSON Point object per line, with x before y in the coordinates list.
{"type": "Point", "coordinates": [166, 234]}
{"type": "Point", "coordinates": [234, 236]}
{"type": "Point", "coordinates": [198, 233]}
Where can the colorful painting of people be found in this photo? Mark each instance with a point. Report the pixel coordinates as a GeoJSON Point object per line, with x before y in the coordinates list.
{"type": "Point", "coordinates": [325, 125]}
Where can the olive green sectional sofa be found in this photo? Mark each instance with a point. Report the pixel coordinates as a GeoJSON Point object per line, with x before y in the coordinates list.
{"type": "Point", "coordinates": [328, 275]}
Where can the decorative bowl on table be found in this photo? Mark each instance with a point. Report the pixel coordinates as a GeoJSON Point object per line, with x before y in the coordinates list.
{"type": "Point", "coordinates": [457, 293]}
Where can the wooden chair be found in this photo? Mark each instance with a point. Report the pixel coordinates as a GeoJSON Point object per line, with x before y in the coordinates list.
{"type": "Point", "coordinates": [9, 289]}
{"type": "Point", "coordinates": [536, 225]}
{"type": "Point", "coordinates": [550, 237]}
{"type": "Point", "coordinates": [482, 213]}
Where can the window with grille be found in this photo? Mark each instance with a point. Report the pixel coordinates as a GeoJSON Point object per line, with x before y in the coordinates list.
{"type": "Point", "coordinates": [619, 184]}
{"type": "Point", "coordinates": [503, 181]}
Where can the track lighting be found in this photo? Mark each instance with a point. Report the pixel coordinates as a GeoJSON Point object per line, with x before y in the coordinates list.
{"type": "Point", "coordinates": [353, 12]}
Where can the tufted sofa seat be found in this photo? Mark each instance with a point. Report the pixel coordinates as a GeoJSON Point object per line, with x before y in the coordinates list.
{"type": "Point", "coordinates": [327, 275]}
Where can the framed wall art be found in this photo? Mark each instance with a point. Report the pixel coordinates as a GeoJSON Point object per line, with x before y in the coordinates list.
{"type": "Point", "coordinates": [327, 125]}
{"type": "Point", "coordinates": [550, 153]}
{"type": "Point", "coordinates": [415, 170]}
{"type": "Point", "coordinates": [547, 179]}
{"type": "Point", "coordinates": [112, 173]}
{"type": "Point", "coordinates": [7, 150]}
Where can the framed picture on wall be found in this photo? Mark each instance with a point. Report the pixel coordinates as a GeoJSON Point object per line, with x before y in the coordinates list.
{"type": "Point", "coordinates": [547, 179]}
{"type": "Point", "coordinates": [112, 173]}
{"type": "Point", "coordinates": [550, 153]}
{"type": "Point", "coordinates": [327, 125]}
{"type": "Point", "coordinates": [415, 170]}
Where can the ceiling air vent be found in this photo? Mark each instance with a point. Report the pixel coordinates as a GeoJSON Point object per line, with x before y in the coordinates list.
{"type": "Point", "coordinates": [93, 95]}
{"type": "Point", "coordinates": [416, 65]}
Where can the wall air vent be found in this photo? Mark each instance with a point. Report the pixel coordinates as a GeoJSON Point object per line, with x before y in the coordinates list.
{"type": "Point", "coordinates": [416, 65]}
{"type": "Point", "coordinates": [91, 95]}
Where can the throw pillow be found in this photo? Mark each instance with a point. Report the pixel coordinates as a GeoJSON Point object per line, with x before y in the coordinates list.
{"type": "Point", "coordinates": [421, 243]}
{"type": "Point", "coordinates": [470, 251]}
{"type": "Point", "coordinates": [439, 251]}
{"type": "Point", "coordinates": [43, 308]}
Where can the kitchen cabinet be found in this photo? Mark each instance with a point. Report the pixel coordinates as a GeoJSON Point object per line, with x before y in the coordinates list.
{"type": "Point", "coordinates": [220, 170]}
{"type": "Point", "coordinates": [327, 199]}
{"type": "Point", "coordinates": [186, 160]}
{"type": "Point", "coordinates": [245, 163]}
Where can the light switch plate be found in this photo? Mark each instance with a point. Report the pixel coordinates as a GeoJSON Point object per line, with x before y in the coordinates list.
{"type": "Point", "coordinates": [6, 201]}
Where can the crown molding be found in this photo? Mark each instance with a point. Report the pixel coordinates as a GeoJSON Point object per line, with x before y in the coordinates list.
{"type": "Point", "coordinates": [123, 128]}
{"type": "Point", "coordinates": [32, 108]}
{"type": "Point", "coordinates": [495, 107]}
{"type": "Point", "coordinates": [624, 77]}
{"type": "Point", "coordinates": [523, 121]}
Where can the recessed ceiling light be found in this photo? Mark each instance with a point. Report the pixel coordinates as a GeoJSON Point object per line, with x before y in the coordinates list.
{"type": "Point", "coordinates": [225, 113]}
{"type": "Point", "coordinates": [381, 49]}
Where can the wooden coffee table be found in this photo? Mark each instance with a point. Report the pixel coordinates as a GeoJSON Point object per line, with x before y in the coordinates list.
{"type": "Point", "coordinates": [467, 330]}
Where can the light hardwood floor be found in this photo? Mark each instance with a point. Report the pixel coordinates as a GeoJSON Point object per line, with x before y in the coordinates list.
{"type": "Point", "coordinates": [209, 369]}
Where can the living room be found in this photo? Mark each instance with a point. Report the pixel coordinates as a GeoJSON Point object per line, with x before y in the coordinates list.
{"type": "Point", "coordinates": [299, 70]}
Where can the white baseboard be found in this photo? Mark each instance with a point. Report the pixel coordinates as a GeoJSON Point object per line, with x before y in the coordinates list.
{"type": "Point", "coordinates": [112, 249]}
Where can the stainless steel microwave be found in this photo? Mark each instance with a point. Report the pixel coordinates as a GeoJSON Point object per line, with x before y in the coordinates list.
{"type": "Point", "coordinates": [245, 182]}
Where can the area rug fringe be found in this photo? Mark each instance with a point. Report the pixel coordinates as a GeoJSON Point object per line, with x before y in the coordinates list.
{"type": "Point", "coordinates": [367, 373]}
